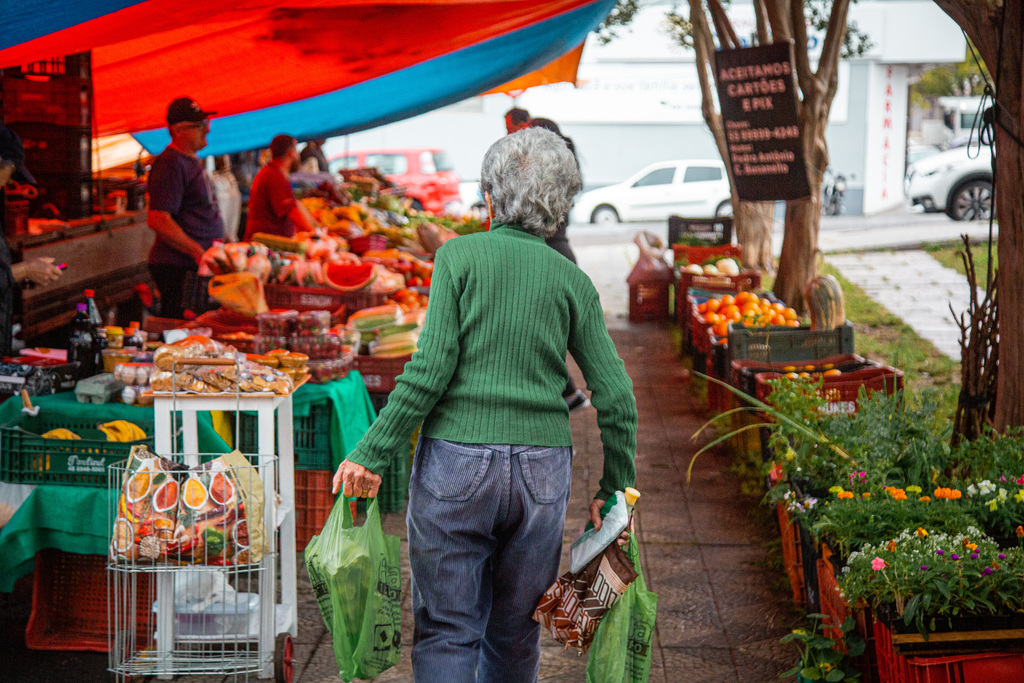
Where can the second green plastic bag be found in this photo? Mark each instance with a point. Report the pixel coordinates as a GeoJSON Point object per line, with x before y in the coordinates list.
{"type": "Point", "coordinates": [357, 581]}
{"type": "Point", "coordinates": [621, 651]}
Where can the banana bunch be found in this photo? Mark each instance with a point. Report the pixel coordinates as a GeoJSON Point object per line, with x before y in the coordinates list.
{"type": "Point", "coordinates": [61, 433]}
{"type": "Point", "coordinates": [122, 430]}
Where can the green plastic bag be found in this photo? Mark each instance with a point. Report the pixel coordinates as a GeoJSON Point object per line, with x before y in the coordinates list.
{"type": "Point", "coordinates": [621, 651]}
{"type": "Point", "coordinates": [357, 581]}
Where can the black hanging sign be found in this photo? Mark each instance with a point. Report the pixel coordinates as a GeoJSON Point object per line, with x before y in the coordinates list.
{"type": "Point", "coordinates": [757, 96]}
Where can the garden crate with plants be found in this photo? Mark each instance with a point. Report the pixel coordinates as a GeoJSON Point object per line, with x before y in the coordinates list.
{"type": "Point", "coordinates": [839, 389]}
{"type": "Point", "coordinates": [927, 536]}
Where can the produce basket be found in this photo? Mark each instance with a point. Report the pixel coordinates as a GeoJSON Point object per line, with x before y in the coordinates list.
{"type": "Point", "coordinates": [28, 458]}
{"type": "Point", "coordinates": [744, 371]}
{"type": "Point", "coordinates": [312, 437]}
{"type": "Point", "coordinates": [778, 344]}
{"type": "Point", "coordinates": [69, 603]}
{"type": "Point", "coordinates": [718, 230]}
{"type": "Point", "coordinates": [746, 281]}
{"type": "Point", "coordinates": [365, 243]}
{"type": "Point", "coordinates": [320, 298]}
{"type": "Point", "coordinates": [379, 374]}
{"type": "Point", "coordinates": [698, 255]}
{"type": "Point", "coordinates": [842, 391]}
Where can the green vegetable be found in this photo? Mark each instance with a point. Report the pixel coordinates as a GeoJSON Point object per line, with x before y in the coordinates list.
{"type": "Point", "coordinates": [214, 541]}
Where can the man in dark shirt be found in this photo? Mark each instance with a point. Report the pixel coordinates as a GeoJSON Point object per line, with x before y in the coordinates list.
{"type": "Point", "coordinates": [273, 208]}
{"type": "Point", "coordinates": [182, 206]}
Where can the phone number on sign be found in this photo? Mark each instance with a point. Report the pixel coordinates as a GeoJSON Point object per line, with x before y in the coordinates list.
{"type": "Point", "coordinates": [755, 134]}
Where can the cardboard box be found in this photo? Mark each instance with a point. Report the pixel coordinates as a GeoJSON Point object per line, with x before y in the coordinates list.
{"type": "Point", "coordinates": [38, 376]}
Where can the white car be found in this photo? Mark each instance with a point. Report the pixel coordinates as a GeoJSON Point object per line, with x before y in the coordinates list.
{"type": "Point", "coordinates": [958, 182]}
{"type": "Point", "coordinates": [691, 188]}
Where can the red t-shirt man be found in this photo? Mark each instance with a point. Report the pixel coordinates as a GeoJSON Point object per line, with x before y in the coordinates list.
{"type": "Point", "coordinates": [273, 208]}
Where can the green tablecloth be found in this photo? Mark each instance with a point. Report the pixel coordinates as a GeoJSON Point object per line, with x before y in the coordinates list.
{"type": "Point", "coordinates": [75, 518]}
{"type": "Point", "coordinates": [352, 411]}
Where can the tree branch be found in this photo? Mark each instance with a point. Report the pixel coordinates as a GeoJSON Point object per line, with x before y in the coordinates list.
{"type": "Point", "coordinates": [832, 46]}
{"type": "Point", "coordinates": [704, 47]}
{"type": "Point", "coordinates": [761, 16]}
{"type": "Point", "coordinates": [979, 19]}
{"type": "Point", "coordinates": [723, 27]}
{"type": "Point", "coordinates": [804, 74]}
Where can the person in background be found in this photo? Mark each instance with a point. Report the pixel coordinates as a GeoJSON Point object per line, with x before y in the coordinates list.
{"type": "Point", "coordinates": [273, 208]}
{"type": "Point", "coordinates": [491, 476]}
{"type": "Point", "coordinates": [574, 397]}
{"type": "Point", "coordinates": [516, 119]}
{"type": "Point", "coordinates": [40, 271]}
{"type": "Point", "coordinates": [314, 150]}
{"type": "Point", "coordinates": [183, 210]}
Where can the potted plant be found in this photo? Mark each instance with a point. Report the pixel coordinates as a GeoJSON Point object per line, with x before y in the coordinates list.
{"type": "Point", "coordinates": [822, 658]}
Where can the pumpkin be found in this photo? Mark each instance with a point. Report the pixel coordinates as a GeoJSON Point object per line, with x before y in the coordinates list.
{"type": "Point", "coordinates": [825, 303]}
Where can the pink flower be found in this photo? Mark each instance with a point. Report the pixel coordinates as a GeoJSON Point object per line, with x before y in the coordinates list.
{"type": "Point", "coordinates": [878, 564]}
{"type": "Point", "coordinates": [1021, 480]}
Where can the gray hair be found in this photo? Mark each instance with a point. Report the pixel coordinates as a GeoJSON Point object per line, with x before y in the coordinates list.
{"type": "Point", "coordinates": [531, 177]}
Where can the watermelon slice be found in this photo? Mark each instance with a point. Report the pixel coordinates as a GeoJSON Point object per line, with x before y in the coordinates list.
{"type": "Point", "coordinates": [349, 277]}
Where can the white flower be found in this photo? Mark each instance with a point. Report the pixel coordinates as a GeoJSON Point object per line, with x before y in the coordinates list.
{"type": "Point", "coordinates": [971, 490]}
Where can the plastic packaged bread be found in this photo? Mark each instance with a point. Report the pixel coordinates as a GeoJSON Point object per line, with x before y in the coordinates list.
{"type": "Point", "coordinates": [147, 507]}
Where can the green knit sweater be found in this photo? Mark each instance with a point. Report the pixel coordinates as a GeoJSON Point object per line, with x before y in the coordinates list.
{"type": "Point", "coordinates": [504, 309]}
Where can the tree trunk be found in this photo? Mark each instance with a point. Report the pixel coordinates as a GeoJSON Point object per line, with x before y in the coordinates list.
{"type": "Point", "coordinates": [1009, 190]}
{"type": "Point", "coordinates": [798, 262]}
{"type": "Point", "coordinates": [753, 225]}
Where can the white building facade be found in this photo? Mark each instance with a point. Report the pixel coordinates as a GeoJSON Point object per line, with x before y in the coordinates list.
{"type": "Point", "coordinates": [638, 101]}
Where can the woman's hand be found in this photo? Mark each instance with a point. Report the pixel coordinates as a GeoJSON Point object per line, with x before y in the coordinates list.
{"type": "Point", "coordinates": [595, 517]}
{"type": "Point", "coordinates": [355, 481]}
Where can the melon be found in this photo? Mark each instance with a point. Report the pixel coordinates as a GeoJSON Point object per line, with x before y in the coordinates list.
{"type": "Point", "coordinates": [349, 277]}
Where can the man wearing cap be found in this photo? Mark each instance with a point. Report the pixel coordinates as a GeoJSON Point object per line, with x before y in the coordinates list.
{"type": "Point", "coordinates": [273, 208]}
{"type": "Point", "coordinates": [182, 206]}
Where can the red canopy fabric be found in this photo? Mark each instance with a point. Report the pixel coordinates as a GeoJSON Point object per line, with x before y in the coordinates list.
{"type": "Point", "coordinates": [235, 56]}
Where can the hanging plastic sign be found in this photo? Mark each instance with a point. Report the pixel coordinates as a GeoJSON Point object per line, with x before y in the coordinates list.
{"type": "Point", "coordinates": [757, 95]}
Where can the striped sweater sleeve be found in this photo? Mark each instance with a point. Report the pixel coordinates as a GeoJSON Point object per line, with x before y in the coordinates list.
{"type": "Point", "coordinates": [611, 393]}
{"type": "Point", "coordinates": [425, 377]}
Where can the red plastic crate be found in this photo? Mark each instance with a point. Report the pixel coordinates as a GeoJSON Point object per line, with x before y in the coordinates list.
{"type": "Point", "coordinates": [320, 298]}
{"type": "Point", "coordinates": [69, 603]}
{"type": "Point", "coordinates": [842, 391]}
{"type": "Point", "coordinates": [791, 555]}
{"type": "Point", "coordinates": [985, 667]}
{"type": "Point", "coordinates": [313, 504]}
{"type": "Point", "coordinates": [838, 609]}
{"type": "Point", "coordinates": [360, 245]}
{"type": "Point", "coordinates": [743, 371]}
{"type": "Point", "coordinates": [648, 302]}
{"type": "Point", "coordinates": [700, 254]}
{"type": "Point", "coordinates": [379, 374]}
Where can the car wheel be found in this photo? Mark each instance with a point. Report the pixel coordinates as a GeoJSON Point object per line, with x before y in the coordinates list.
{"type": "Point", "coordinates": [724, 210]}
{"type": "Point", "coordinates": [604, 215]}
{"type": "Point", "coordinates": [972, 201]}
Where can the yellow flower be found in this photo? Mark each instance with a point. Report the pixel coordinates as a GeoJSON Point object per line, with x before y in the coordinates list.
{"type": "Point", "coordinates": [913, 489]}
{"type": "Point", "coordinates": [844, 495]}
{"type": "Point", "coordinates": [865, 495]}
{"type": "Point", "coordinates": [891, 547]}
{"type": "Point", "coordinates": [993, 504]}
{"type": "Point", "coordinates": [827, 666]}
{"type": "Point", "coordinates": [1020, 496]}
{"type": "Point", "coordinates": [972, 546]}
{"type": "Point", "coordinates": [921, 533]}
{"type": "Point", "coordinates": [839, 489]}
{"type": "Point", "coordinates": [800, 632]}
{"type": "Point", "coordinates": [790, 454]}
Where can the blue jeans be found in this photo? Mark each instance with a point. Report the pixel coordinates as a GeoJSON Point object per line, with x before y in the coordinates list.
{"type": "Point", "coordinates": [485, 538]}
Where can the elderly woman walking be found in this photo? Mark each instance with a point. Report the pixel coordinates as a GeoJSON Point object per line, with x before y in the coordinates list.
{"type": "Point", "coordinates": [491, 474]}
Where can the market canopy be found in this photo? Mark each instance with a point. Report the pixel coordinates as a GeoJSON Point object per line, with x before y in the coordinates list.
{"type": "Point", "coordinates": [314, 68]}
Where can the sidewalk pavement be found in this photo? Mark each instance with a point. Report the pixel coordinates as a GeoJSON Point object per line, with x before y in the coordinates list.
{"type": "Point", "coordinates": [720, 611]}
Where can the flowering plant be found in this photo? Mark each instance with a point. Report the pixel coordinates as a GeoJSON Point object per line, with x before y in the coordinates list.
{"type": "Point", "coordinates": [928, 575]}
{"type": "Point", "coordinates": [822, 658]}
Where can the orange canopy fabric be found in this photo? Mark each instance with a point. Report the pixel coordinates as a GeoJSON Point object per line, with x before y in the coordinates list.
{"type": "Point", "coordinates": [237, 56]}
{"type": "Point", "coordinates": [562, 70]}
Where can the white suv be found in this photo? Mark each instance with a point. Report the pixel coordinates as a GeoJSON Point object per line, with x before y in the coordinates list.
{"type": "Point", "coordinates": [958, 182]}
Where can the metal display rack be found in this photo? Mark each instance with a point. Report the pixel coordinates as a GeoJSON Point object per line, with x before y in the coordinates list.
{"type": "Point", "coordinates": [235, 626]}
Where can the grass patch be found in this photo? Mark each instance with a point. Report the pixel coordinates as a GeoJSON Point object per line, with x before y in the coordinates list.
{"type": "Point", "coordinates": [949, 256]}
{"type": "Point", "coordinates": [883, 337]}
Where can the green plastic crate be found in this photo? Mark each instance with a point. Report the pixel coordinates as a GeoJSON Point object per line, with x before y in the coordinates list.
{"type": "Point", "coordinates": [312, 435]}
{"type": "Point", "coordinates": [781, 344]}
{"type": "Point", "coordinates": [28, 458]}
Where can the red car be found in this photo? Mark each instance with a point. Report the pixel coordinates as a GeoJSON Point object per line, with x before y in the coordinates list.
{"type": "Point", "coordinates": [427, 174]}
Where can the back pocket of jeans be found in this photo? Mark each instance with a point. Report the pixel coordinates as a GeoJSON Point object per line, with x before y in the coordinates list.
{"type": "Point", "coordinates": [547, 472]}
{"type": "Point", "coordinates": [453, 471]}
